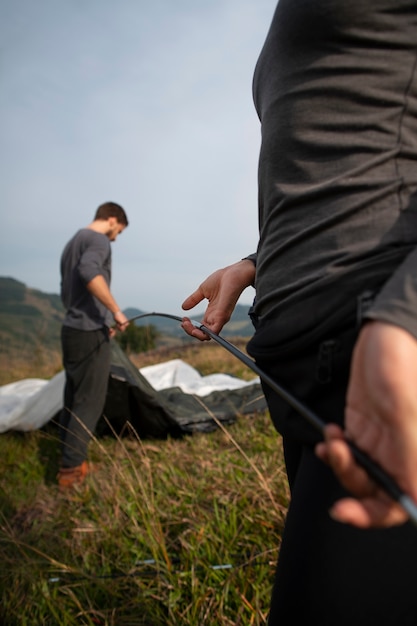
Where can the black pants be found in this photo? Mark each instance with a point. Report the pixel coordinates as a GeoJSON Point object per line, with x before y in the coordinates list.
{"type": "Point", "coordinates": [331, 574]}
{"type": "Point", "coordinates": [86, 357]}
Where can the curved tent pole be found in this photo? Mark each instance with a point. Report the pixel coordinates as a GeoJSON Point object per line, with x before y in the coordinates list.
{"type": "Point", "coordinates": [372, 468]}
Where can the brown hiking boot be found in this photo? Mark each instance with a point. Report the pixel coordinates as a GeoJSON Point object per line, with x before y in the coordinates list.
{"type": "Point", "coordinates": [69, 477]}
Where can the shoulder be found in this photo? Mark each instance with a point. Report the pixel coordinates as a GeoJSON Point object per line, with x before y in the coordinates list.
{"type": "Point", "coordinates": [89, 237]}
{"type": "Point", "coordinates": [85, 242]}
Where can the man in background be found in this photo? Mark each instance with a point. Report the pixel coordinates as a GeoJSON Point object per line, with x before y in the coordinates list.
{"type": "Point", "coordinates": [91, 312]}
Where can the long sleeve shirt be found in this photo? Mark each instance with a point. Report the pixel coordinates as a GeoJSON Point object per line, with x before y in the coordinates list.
{"type": "Point", "coordinates": [335, 88]}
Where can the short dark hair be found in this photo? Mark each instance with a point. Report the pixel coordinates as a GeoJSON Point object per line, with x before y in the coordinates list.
{"type": "Point", "coordinates": [111, 209]}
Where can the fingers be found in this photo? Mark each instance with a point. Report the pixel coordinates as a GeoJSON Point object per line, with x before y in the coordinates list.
{"type": "Point", "coordinates": [370, 507]}
{"type": "Point", "coordinates": [335, 451]}
{"type": "Point", "coordinates": [192, 300]}
{"type": "Point", "coordinates": [367, 513]}
{"type": "Point", "coordinates": [191, 330]}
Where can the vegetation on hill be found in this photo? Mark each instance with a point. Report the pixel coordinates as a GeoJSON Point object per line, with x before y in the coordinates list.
{"type": "Point", "coordinates": [30, 326]}
{"type": "Point", "coordinates": [137, 339]}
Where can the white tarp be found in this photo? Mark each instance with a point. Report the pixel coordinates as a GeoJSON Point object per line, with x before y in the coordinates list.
{"type": "Point", "coordinates": [29, 404]}
{"type": "Point", "coordinates": [177, 373]}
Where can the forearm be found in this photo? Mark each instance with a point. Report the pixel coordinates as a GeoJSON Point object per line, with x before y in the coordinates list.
{"type": "Point", "coordinates": [100, 290]}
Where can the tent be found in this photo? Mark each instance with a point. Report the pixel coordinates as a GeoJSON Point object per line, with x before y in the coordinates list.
{"type": "Point", "coordinates": [171, 405]}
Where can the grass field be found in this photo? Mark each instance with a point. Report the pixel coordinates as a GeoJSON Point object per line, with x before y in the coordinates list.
{"type": "Point", "coordinates": [164, 533]}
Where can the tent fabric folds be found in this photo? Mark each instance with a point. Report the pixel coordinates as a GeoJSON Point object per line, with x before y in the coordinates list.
{"type": "Point", "coordinates": [171, 411]}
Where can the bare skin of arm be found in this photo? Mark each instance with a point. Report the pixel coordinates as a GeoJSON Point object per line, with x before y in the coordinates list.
{"type": "Point", "coordinates": [381, 418]}
{"type": "Point", "coordinates": [99, 288]}
{"type": "Point", "coordinates": [222, 289]}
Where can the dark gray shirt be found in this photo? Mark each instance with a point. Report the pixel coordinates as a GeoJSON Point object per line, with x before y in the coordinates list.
{"type": "Point", "coordinates": [86, 255]}
{"type": "Point", "coordinates": [335, 88]}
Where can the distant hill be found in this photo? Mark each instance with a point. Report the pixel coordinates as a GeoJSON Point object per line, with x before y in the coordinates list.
{"type": "Point", "coordinates": [28, 316]}
{"type": "Point", "coordinates": [30, 327]}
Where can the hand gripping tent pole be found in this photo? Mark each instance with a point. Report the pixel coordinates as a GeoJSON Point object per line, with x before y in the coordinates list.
{"type": "Point", "coordinates": [372, 468]}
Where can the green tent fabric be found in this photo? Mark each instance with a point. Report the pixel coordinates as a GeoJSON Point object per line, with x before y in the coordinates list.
{"type": "Point", "coordinates": [169, 412]}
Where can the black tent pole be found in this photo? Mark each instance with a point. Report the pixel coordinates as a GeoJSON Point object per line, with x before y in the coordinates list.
{"type": "Point", "coordinates": [372, 468]}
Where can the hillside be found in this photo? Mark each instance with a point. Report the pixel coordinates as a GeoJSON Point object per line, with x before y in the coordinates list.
{"type": "Point", "coordinates": [30, 324]}
{"type": "Point", "coordinates": [28, 316]}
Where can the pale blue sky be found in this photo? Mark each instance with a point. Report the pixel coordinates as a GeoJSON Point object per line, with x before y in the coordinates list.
{"type": "Point", "coordinates": [147, 104]}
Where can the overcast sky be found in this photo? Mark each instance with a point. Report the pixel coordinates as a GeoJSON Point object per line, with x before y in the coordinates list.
{"type": "Point", "coordinates": [144, 103]}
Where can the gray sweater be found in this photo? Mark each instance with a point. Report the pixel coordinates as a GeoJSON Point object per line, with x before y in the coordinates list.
{"type": "Point", "coordinates": [86, 255]}
{"type": "Point", "coordinates": [335, 88]}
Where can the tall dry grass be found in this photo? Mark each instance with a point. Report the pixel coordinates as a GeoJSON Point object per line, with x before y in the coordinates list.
{"type": "Point", "coordinates": [164, 533]}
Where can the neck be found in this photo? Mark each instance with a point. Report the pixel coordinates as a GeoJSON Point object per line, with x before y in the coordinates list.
{"type": "Point", "coordinates": [99, 226]}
